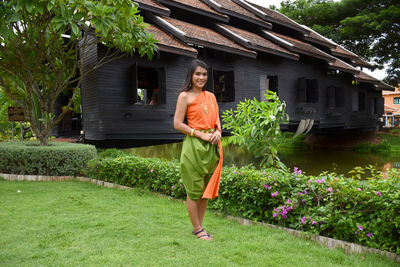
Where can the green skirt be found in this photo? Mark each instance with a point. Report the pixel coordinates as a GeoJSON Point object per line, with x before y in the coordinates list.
{"type": "Point", "coordinates": [198, 162]}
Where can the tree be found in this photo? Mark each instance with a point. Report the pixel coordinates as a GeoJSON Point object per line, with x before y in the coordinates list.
{"type": "Point", "coordinates": [369, 28]}
{"type": "Point", "coordinates": [256, 124]}
{"type": "Point", "coordinates": [43, 42]}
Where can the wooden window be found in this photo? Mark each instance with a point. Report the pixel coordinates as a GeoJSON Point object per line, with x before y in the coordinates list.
{"type": "Point", "coordinates": [268, 83]}
{"type": "Point", "coordinates": [396, 100]}
{"type": "Point", "coordinates": [308, 90]}
{"type": "Point", "coordinates": [148, 86]}
{"type": "Point", "coordinates": [335, 97]}
{"type": "Point", "coordinates": [223, 82]}
{"type": "Point", "coordinates": [354, 101]}
{"type": "Point", "coordinates": [361, 101]}
{"type": "Point", "coordinates": [358, 101]}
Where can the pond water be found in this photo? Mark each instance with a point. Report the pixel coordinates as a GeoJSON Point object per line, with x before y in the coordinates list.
{"type": "Point", "coordinates": [311, 162]}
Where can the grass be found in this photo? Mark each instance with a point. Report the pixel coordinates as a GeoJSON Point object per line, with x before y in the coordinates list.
{"type": "Point", "coordinates": [73, 223]}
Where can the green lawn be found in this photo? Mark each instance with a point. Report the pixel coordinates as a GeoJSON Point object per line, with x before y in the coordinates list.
{"type": "Point", "coordinates": [74, 223]}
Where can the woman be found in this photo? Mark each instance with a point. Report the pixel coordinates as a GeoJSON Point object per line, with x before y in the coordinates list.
{"type": "Point", "coordinates": [201, 158]}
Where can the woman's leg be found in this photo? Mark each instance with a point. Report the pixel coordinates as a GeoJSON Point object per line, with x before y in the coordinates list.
{"type": "Point", "coordinates": [193, 208]}
{"type": "Point", "coordinates": [202, 207]}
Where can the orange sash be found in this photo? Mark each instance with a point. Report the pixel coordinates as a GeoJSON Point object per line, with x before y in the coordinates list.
{"type": "Point", "coordinates": [203, 114]}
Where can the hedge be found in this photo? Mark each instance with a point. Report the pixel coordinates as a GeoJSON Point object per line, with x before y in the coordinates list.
{"type": "Point", "coordinates": [359, 211]}
{"type": "Point", "coordinates": [57, 158]}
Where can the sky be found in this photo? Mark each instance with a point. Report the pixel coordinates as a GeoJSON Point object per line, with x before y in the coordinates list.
{"type": "Point", "coordinates": [378, 74]}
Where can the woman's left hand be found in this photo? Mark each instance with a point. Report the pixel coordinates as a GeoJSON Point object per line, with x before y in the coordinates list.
{"type": "Point", "coordinates": [216, 136]}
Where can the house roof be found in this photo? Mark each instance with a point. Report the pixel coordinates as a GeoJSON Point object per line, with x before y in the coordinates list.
{"type": "Point", "coordinates": [168, 43]}
{"type": "Point", "coordinates": [230, 8]}
{"type": "Point", "coordinates": [297, 46]}
{"type": "Point", "coordinates": [201, 36]}
{"type": "Point", "coordinates": [273, 16]}
{"type": "Point", "coordinates": [313, 36]}
{"type": "Point", "coordinates": [336, 49]}
{"type": "Point", "coordinates": [254, 41]}
{"type": "Point", "coordinates": [154, 7]}
{"type": "Point", "coordinates": [196, 6]}
{"type": "Point", "coordinates": [343, 66]}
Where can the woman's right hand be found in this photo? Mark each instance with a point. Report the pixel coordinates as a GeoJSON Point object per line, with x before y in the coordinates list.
{"type": "Point", "coordinates": [206, 137]}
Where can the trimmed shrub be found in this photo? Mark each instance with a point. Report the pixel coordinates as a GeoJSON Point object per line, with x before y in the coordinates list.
{"type": "Point", "coordinates": [56, 159]}
{"type": "Point", "coordinates": [361, 211]}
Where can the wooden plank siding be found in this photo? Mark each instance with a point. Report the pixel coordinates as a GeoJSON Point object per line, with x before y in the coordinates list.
{"type": "Point", "coordinates": [110, 115]}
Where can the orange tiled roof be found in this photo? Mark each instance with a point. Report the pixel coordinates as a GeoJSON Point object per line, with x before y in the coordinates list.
{"type": "Point", "coordinates": [168, 43]}
{"type": "Point", "coordinates": [255, 41]}
{"type": "Point", "coordinates": [276, 17]}
{"type": "Point", "coordinates": [300, 46]}
{"type": "Point", "coordinates": [196, 4]}
{"type": "Point", "coordinates": [203, 36]}
{"type": "Point", "coordinates": [230, 8]}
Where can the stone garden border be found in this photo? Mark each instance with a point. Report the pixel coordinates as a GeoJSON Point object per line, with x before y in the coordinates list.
{"type": "Point", "coordinates": [322, 240]}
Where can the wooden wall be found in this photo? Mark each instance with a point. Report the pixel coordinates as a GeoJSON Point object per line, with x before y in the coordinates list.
{"type": "Point", "coordinates": [108, 113]}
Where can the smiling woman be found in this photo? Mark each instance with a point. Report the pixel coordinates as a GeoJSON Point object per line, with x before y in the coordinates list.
{"type": "Point", "coordinates": [201, 158]}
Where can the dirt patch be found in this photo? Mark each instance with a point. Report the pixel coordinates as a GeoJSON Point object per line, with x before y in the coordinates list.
{"type": "Point", "coordinates": [342, 141]}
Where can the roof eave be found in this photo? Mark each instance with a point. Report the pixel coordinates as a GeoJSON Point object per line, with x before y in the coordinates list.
{"type": "Point", "coordinates": [223, 48]}
{"type": "Point", "coordinates": [317, 41]}
{"type": "Point", "coordinates": [222, 18]}
{"type": "Point", "coordinates": [153, 9]}
{"type": "Point", "coordinates": [173, 50]}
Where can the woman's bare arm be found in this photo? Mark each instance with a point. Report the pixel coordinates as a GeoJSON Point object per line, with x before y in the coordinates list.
{"type": "Point", "coordinates": [180, 125]}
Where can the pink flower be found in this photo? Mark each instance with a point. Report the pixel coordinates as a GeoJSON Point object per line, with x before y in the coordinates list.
{"type": "Point", "coordinates": [274, 194]}
{"type": "Point", "coordinates": [288, 202]}
{"type": "Point", "coordinates": [310, 181]}
{"type": "Point", "coordinates": [330, 189]}
{"type": "Point", "coordinates": [234, 172]}
{"type": "Point", "coordinates": [267, 186]}
{"type": "Point", "coordinates": [356, 232]}
{"type": "Point", "coordinates": [303, 220]}
{"type": "Point", "coordinates": [313, 222]}
{"type": "Point", "coordinates": [359, 189]}
{"type": "Point", "coordinates": [274, 215]}
{"type": "Point", "coordinates": [151, 170]}
{"type": "Point", "coordinates": [305, 192]}
{"type": "Point", "coordinates": [378, 193]}
{"type": "Point", "coordinates": [360, 227]}
{"type": "Point", "coordinates": [181, 185]}
{"type": "Point", "coordinates": [263, 172]}
{"type": "Point", "coordinates": [134, 170]}
{"type": "Point", "coordinates": [370, 235]}
{"type": "Point", "coordinates": [173, 187]}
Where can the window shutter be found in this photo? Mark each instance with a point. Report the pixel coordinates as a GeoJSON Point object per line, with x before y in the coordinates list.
{"type": "Point", "coordinates": [162, 88]}
{"type": "Point", "coordinates": [301, 90]}
{"type": "Point", "coordinates": [331, 97]}
{"type": "Point", "coordinates": [380, 106]}
{"type": "Point", "coordinates": [230, 86]}
{"type": "Point", "coordinates": [134, 87]}
{"type": "Point", "coordinates": [314, 91]}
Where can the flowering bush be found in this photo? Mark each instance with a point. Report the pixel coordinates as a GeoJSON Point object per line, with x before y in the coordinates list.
{"type": "Point", "coordinates": [360, 211]}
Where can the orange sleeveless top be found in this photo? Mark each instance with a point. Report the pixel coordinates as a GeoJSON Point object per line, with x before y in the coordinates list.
{"type": "Point", "coordinates": [203, 114]}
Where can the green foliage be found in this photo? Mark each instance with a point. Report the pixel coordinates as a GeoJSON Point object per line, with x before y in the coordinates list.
{"type": "Point", "coordinates": [368, 28]}
{"type": "Point", "coordinates": [328, 204]}
{"type": "Point", "coordinates": [257, 124]}
{"type": "Point", "coordinates": [55, 159]}
{"type": "Point", "coordinates": [390, 144]}
{"type": "Point", "coordinates": [44, 43]}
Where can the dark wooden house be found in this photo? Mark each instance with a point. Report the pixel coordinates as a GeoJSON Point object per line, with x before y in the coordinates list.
{"type": "Point", "coordinates": [249, 49]}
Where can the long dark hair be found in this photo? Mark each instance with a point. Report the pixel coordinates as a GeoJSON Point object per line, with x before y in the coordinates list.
{"type": "Point", "coordinates": [187, 85]}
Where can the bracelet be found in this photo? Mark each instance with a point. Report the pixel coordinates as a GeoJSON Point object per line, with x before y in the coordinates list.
{"type": "Point", "coordinates": [192, 132]}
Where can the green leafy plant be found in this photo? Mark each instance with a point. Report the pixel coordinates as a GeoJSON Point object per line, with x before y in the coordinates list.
{"type": "Point", "coordinates": [256, 124]}
{"type": "Point", "coordinates": [55, 159]}
{"type": "Point", "coordinates": [44, 45]}
{"type": "Point", "coordinates": [329, 204]}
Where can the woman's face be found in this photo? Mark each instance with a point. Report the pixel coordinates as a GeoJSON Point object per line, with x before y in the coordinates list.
{"type": "Point", "coordinates": [199, 77]}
